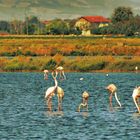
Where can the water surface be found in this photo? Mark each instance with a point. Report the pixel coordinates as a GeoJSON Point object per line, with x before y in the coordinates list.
{"type": "Point", "coordinates": [23, 111]}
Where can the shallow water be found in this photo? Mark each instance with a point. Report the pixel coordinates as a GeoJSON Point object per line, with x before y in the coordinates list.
{"type": "Point", "coordinates": [23, 111]}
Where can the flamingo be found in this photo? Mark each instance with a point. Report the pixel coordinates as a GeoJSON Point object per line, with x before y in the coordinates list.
{"type": "Point", "coordinates": [60, 69]}
{"type": "Point", "coordinates": [51, 92]}
{"type": "Point", "coordinates": [85, 97]}
{"type": "Point", "coordinates": [136, 96]}
{"type": "Point", "coordinates": [46, 74]}
{"type": "Point", "coordinates": [112, 89]}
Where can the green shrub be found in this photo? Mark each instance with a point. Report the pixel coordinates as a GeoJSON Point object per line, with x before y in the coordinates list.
{"type": "Point", "coordinates": [13, 67]}
{"type": "Point", "coordinates": [29, 53]}
{"type": "Point", "coordinates": [50, 65]}
{"type": "Point", "coordinates": [124, 65]}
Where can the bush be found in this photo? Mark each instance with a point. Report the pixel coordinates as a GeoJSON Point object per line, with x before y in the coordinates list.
{"type": "Point", "coordinates": [99, 66]}
{"type": "Point", "coordinates": [124, 65]}
{"type": "Point", "coordinates": [50, 65]}
{"type": "Point", "coordinates": [29, 53]}
{"type": "Point", "coordinates": [13, 67]}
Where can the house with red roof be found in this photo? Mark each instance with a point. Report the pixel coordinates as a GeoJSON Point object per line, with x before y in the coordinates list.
{"type": "Point", "coordinates": [46, 22]}
{"type": "Point", "coordinates": [88, 23]}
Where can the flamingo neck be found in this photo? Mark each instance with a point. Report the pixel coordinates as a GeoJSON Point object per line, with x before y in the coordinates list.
{"type": "Point", "coordinates": [56, 83]}
{"type": "Point", "coordinates": [136, 104]}
{"type": "Point", "coordinates": [117, 99]}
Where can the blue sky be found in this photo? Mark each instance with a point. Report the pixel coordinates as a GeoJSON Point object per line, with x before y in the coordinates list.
{"type": "Point", "coordinates": [51, 9]}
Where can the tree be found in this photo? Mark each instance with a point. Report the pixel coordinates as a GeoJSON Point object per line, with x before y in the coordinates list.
{"type": "Point", "coordinates": [122, 14]}
{"type": "Point", "coordinates": [84, 26]}
{"type": "Point", "coordinates": [33, 25]}
{"type": "Point", "coordinates": [4, 26]}
{"type": "Point", "coordinates": [57, 27]}
{"type": "Point", "coordinates": [16, 27]}
{"type": "Point", "coordinates": [72, 28]}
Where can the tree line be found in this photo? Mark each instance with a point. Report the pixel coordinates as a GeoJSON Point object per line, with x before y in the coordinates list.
{"type": "Point", "coordinates": [123, 22]}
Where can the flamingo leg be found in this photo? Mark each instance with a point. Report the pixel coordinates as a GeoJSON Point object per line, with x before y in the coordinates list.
{"type": "Point", "coordinates": [59, 104]}
{"type": "Point", "coordinates": [138, 101]}
{"type": "Point", "coordinates": [45, 76]}
{"type": "Point", "coordinates": [87, 107]}
{"type": "Point", "coordinates": [110, 100]}
{"type": "Point", "coordinates": [49, 104]}
{"type": "Point", "coordinates": [63, 75]}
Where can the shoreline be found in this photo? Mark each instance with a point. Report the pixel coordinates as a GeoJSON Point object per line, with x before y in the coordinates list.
{"type": "Point", "coordinates": [68, 71]}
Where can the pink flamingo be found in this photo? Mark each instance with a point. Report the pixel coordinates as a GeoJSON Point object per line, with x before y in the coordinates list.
{"type": "Point", "coordinates": [60, 69]}
{"type": "Point", "coordinates": [112, 90]}
{"type": "Point", "coordinates": [51, 92]}
{"type": "Point", "coordinates": [46, 74]}
{"type": "Point", "coordinates": [84, 103]}
{"type": "Point", "coordinates": [136, 96]}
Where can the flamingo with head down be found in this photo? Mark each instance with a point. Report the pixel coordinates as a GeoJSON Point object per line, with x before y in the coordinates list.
{"type": "Point", "coordinates": [60, 69]}
{"type": "Point", "coordinates": [136, 96]}
{"type": "Point", "coordinates": [112, 90]}
{"type": "Point", "coordinates": [85, 97]}
{"type": "Point", "coordinates": [46, 74]}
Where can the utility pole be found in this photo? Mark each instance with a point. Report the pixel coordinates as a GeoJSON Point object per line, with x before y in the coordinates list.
{"type": "Point", "coordinates": [26, 22]}
{"type": "Point", "coordinates": [39, 26]}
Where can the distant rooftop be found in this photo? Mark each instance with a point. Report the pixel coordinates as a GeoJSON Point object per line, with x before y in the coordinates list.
{"type": "Point", "coordinates": [46, 22]}
{"type": "Point", "coordinates": [96, 19]}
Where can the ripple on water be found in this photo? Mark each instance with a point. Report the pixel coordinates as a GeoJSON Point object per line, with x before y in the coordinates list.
{"type": "Point", "coordinates": [23, 111]}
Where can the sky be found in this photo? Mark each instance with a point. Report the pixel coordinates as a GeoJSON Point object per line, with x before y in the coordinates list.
{"type": "Point", "coordinates": [64, 9]}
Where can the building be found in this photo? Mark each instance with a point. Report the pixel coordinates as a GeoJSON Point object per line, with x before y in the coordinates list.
{"type": "Point", "coordinates": [46, 22]}
{"type": "Point", "coordinates": [87, 23]}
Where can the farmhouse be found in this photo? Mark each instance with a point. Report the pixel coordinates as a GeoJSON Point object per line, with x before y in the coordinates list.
{"type": "Point", "coordinates": [88, 23]}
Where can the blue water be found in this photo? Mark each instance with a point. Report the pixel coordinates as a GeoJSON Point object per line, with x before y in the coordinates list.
{"type": "Point", "coordinates": [24, 116]}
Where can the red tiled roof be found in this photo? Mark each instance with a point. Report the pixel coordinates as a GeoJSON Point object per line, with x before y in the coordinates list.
{"type": "Point", "coordinates": [96, 19]}
{"type": "Point", "coordinates": [46, 22]}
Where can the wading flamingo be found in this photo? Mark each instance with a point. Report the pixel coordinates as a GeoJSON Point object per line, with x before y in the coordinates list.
{"type": "Point", "coordinates": [51, 92]}
{"type": "Point", "coordinates": [136, 96]}
{"type": "Point", "coordinates": [84, 103]}
{"type": "Point", "coordinates": [46, 74]}
{"type": "Point", "coordinates": [60, 96]}
{"type": "Point", "coordinates": [60, 69]}
{"type": "Point", "coordinates": [112, 90]}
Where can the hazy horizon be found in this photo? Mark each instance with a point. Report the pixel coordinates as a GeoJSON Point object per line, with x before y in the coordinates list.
{"type": "Point", "coordinates": [65, 9]}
